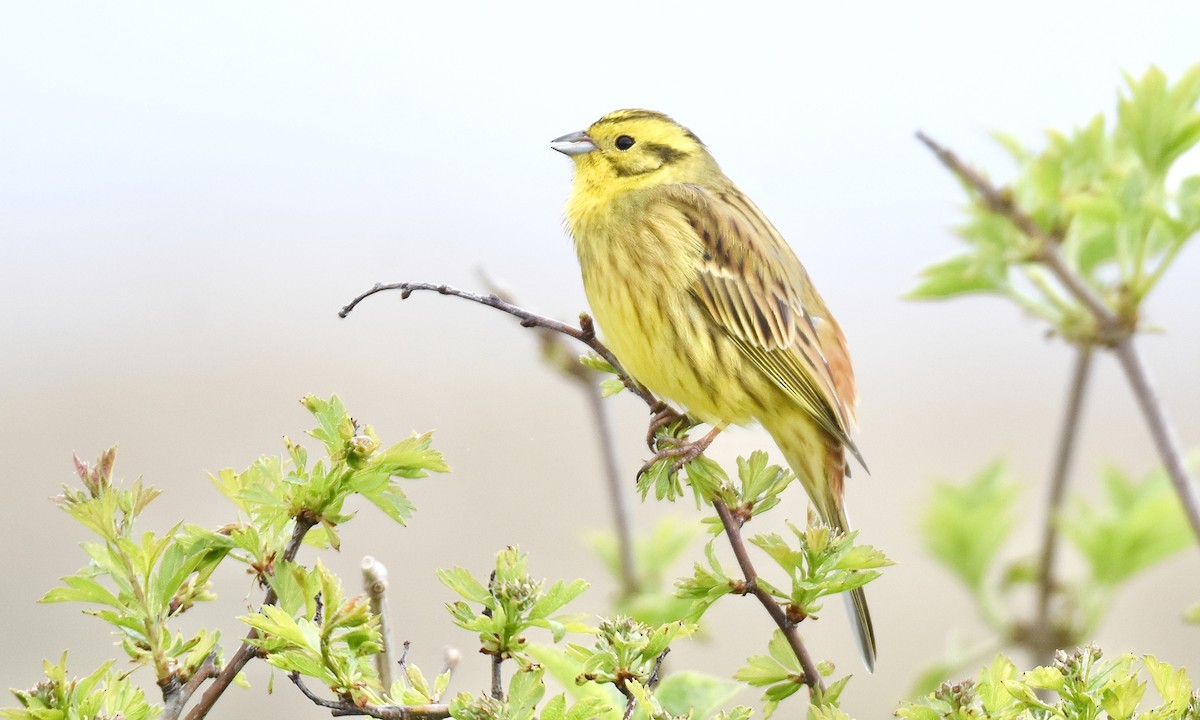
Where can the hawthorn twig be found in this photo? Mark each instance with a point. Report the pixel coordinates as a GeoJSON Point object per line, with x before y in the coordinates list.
{"type": "Point", "coordinates": [1160, 429]}
{"type": "Point", "coordinates": [246, 652]}
{"type": "Point", "coordinates": [1111, 330]}
{"type": "Point", "coordinates": [733, 531]}
{"type": "Point", "coordinates": [497, 678]}
{"type": "Point", "coordinates": [585, 333]}
{"type": "Point", "coordinates": [436, 711]}
{"type": "Point", "coordinates": [1043, 640]}
{"type": "Point", "coordinates": [177, 698]}
{"type": "Point", "coordinates": [651, 681]}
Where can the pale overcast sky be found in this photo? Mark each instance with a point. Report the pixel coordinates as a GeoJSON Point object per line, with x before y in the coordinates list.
{"type": "Point", "coordinates": [189, 192]}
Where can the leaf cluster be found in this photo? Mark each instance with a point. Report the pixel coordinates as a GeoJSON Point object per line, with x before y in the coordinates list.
{"type": "Point", "coordinates": [510, 604]}
{"type": "Point", "coordinates": [1087, 686]}
{"type": "Point", "coordinates": [316, 631]}
{"type": "Point", "coordinates": [1100, 194]}
{"type": "Point", "coordinates": [140, 582]}
{"type": "Point", "coordinates": [103, 694]}
{"type": "Point", "coordinates": [780, 673]}
{"type": "Point", "coordinates": [817, 562]}
{"type": "Point", "coordinates": [276, 490]}
{"type": "Point", "coordinates": [626, 650]}
{"type": "Point", "coordinates": [525, 692]}
{"type": "Point", "coordinates": [1134, 525]}
{"type": "Point", "coordinates": [624, 658]}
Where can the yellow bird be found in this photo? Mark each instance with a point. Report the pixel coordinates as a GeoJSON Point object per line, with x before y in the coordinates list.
{"type": "Point", "coordinates": [704, 303]}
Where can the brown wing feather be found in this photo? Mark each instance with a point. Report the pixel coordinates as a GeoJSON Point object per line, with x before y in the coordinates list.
{"type": "Point", "coordinates": [754, 287]}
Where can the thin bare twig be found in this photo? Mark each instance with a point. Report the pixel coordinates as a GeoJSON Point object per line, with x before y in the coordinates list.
{"type": "Point", "coordinates": [733, 531]}
{"type": "Point", "coordinates": [1160, 429]}
{"type": "Point", "coordinates": [651, 681]}
{"type": "Point", "coordinates": [585, 333]}
{"type": "Point", "coordinates": [497, 678]}
{"type": "Point", "coordinates": [1044, 640]}
{"type": "Point", "coordinates": [436, 711]}
{"type": "Point", "coordinates": [1111, 329]}
{"type": "Point", "coordinates": [246, 652]}
{"type": "Point", "coordinates": [630, 705]}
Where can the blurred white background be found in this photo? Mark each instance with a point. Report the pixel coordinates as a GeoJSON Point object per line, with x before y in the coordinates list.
{"type": "Point", "coordinates": [189, 193]}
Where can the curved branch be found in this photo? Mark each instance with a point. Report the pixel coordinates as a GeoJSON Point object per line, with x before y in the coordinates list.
{"type": "Point", "coordinates": [1111, 331]}
{"type": "Point", "coordinates": [1001, 203]}
{"type": "Point", "coordinates": [585, 333]}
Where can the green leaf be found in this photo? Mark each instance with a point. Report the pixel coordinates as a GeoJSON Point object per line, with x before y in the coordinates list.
{"type": "Point", "coordinates": [761, 671]}
{"type": "Point", "coordinates": [566, 668]}
{"type": "Point", "coordinates": [412, 457]}
{"type": "Point", "coordinates": [556, 597]}
{"type": "Point", "coordinates": [1044, 678]}
{"type": "Point", "coordinates": [992, 690]}
{"type": "Point", "coordinates": [700, 694]}
{"type": "Point", "coordinates": [965, 525]}
{"type": "Point", "coordinates": [82, 589]}
{"type": "Point", "coordinates": [707, 479]}
{"type": "Point", "coordinates": [1187, 199]}
{"type": "Point", "coordinates": [918, 712]}
{"type": "Point", "coordinates": [329, 414]}
{"type": "Point", "coordinates": [1137, 525]}
{"type": "Point", "coordinates": [555, 708]}
{"type": "Point", "coordinates": [611, 386]}
{"type": "Point", "coordinates": [1160, 122]}
{"type": "Point", "coordinates": [961, 275]}
{"type": "Point", "coordinates": [1173, 685]}
{"type": "Point", "coordinates": [462, 582]}
{"type": "Point", "coordinates": [1120, 699]}
{"type": "Point", "coordinates": [595, 362]}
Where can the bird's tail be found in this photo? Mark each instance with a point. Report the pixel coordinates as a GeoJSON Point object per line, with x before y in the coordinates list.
{"type": "Point", "coordinates": [819, 461]}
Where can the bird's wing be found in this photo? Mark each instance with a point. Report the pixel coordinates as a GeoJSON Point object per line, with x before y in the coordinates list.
{"type": "Point", "coordinates": [754, 287]}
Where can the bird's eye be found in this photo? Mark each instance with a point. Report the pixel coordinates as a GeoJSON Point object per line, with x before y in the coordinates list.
{"type": "Point", "coordinates": [624, 142]}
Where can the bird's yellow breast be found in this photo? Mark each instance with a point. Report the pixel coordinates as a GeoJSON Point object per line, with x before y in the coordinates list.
{"type": "Point", "coordinates": [639, 264]}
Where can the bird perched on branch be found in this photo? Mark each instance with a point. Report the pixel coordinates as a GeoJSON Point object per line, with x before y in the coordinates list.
{"type": "Point", "coordinates": [704, 303]}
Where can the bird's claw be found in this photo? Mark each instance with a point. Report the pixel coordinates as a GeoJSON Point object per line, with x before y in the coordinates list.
{"type": "Point", "coordinates": [664, 416]}
{"type": "Point", "coordinates": [683, 451]}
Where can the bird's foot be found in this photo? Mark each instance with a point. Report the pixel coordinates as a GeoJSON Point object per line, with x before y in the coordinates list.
{"type": "Point", "coordinates": [664, 417]}
{"type": "Point", "coordinates": [683, 452]}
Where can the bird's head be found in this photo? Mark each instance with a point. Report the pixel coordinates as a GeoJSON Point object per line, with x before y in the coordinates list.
{"type": "Point", "coordinates": [630, 149]}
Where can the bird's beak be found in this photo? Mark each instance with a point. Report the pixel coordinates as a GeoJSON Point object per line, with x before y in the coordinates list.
{"type": "Point", "coordinates": [575, 143]}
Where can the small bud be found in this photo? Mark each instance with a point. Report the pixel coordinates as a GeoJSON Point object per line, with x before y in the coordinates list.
{"type": "Point", "coordinates": [452, 657]}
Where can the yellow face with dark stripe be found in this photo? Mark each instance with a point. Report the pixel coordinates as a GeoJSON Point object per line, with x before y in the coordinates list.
{"type": "Point", "coordinates": [638, 148]}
